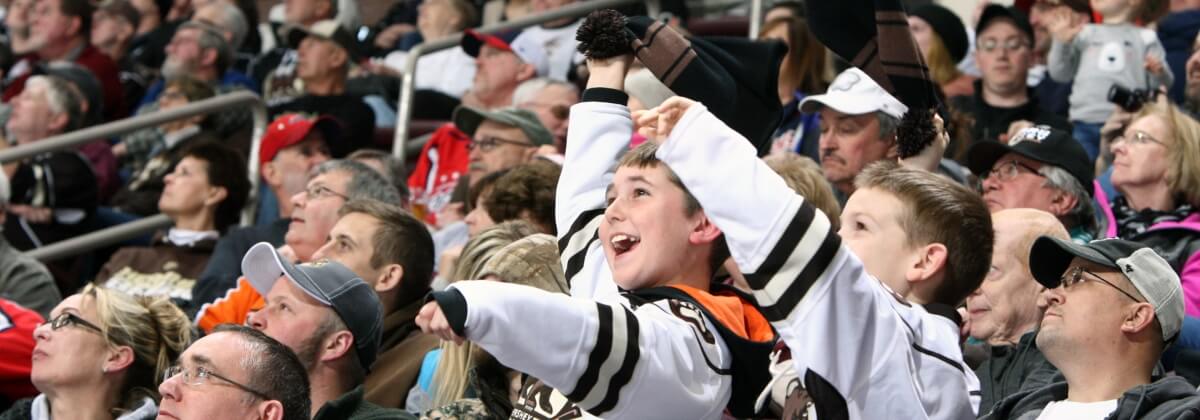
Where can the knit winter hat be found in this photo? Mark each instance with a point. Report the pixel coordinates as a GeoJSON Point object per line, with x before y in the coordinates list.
{"type": "Point", "coordinates": [736, 78]}
{"type": "Point", "coordinates": [948, 27]}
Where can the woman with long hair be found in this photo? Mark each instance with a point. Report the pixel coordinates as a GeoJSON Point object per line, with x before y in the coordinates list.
{"type": "Point", "coordinates": [805, 71]}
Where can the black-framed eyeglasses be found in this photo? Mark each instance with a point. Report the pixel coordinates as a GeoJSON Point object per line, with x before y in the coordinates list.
{"type": "Point", "coordinates": [317, 191]}
{"type": "Point", "coordinates": [1139, 137]}
{"type": "Point", "coordinates": [199, 375]}
{"type": "Point", "coordinates": [1074, 275]}
{"type": "Point", "coordinates": [1010, 45]}
{"type": "Point", "coordinates": [1009, 169]}
{"type": "Point", "coordinates": [487, 144]}
{"type": "Point", "coordinates": [67, 318]}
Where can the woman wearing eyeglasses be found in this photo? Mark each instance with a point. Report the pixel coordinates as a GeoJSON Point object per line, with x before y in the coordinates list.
{"type": "Point", "coordinates": [1156, 169]}
{"type": "Point", "coordinates": [100, 357]}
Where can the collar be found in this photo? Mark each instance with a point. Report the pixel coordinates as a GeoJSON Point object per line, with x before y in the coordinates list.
{"type": "Point", "coordinates": [343, 406]}
{"type": "Point", "coordinates": [189, 238]}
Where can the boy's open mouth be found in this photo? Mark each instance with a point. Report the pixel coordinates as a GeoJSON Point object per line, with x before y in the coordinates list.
{"type": "Point", "coordinates": [623, 243]}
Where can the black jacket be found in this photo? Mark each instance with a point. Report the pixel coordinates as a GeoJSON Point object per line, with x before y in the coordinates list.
{"type": "Point", "coordinates": [989, 122]}
{"type": "Point", "coordinates": [1167, 398]}
{"type": "Point", "coordinates": [1009, 369]}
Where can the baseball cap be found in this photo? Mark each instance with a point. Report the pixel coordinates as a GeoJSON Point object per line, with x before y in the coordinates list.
{"type": "Point", "coordinates": [1047, 145]}
{"type": "Point", "coordinates": [948, 27]}
{"type": "Point", "coordinates": [995, 11]}
{"type": "Point", "coordinates": [854, 92]}
{"type": "Point", "coordinates": [329, 30]}
{"type": "Point", "coordinates": [525, 47]}
{"type": "Point", "coordinates": [328, 282]}
{"type": "Point", "coordinates": [468, 119]}
{"type": "Point", "coordinates": [290, 129]}
{"type": "Point", "coordinates": [1150, 274]}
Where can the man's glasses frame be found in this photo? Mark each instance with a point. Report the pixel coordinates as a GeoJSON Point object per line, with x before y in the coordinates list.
{"type": "Point", "coordinates": [199, 375]}
{"type": "Point", "coordinates": [1074, 275]}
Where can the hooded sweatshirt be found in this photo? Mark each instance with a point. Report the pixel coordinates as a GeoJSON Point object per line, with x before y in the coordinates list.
{"type": "Point", "coordinates": [1167, 398]}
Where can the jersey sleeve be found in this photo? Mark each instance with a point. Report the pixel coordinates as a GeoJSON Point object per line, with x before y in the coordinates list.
{"type": "Point", "coordinates": [232, 308]}
{"type": "Point", "coordinates": [600, 131]}
{"type": "Point", "coordinates": [849, 342]}
{"type": "Point", "coordinates": [660, 360]}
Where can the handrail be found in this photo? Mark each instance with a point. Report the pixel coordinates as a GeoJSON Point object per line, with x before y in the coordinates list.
{"type": "Point", "coordinates": [409, 79]}
{"type": "Point", "coordinates": [101, 238]}
{"type": "Point", "coordinates": [756, 15]}
{"type": "Point", "coordinates": [146, 225]}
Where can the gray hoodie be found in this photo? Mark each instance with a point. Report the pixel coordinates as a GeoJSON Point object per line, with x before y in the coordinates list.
{"type": "Point", "coordinates": [1103, 55]}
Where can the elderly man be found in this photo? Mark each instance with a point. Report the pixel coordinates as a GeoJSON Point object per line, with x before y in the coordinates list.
{"type": "Point", "coordinates": [331, 318]}
{"type": "Point", "coordinates": [226, 16]}
{"type": "Point", "coordinates": [1003, 312]}
{"type": "Point", "coordinates": [1004, 54]}
{"type": "Point", "coordinates": [54, 195]}
{"type": "Point", "coordinates": [500, 139]}
{"type": "Point", "coordinates": [393, 252]}
{"type": "Point", "coordinates": [258, 378]}
{"type": "Point", "coordinates": [325, 53]}
{"type": "Point", "coordinates": [315, 212]}
{"type": "Point", "coordinates": [1040, 168]}
{"type": "Point", "coordinates": [551, 100]}
{"type": "Point", "coordinates": [59, 31]}
{"type": "Point", "coordinates": [858, 127]}
{"type": "Point", "coordinates": [1112, 307]}
{"type": "Point", "coordinates": [276, 69]}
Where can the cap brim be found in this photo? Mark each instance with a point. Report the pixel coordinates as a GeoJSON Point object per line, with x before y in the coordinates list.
{"type": "Point", "coordinates": [473, 41]}
{"type": "Point", "coordinates": [1050, 257]}
{"type": "Point", "coordinates": [982, 155]}
{"type": "Point", "coordinates": [468, 119]}
{"type": "Point", "coordinates": [843, 103]}
{"type": "Point", "coordinates": [263, 266]}
{"type": "Point", "coordinates": [293, 35]}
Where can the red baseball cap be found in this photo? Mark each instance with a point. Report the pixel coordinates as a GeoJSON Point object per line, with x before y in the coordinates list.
{"type": "Point", "coordinates": [290, 129]}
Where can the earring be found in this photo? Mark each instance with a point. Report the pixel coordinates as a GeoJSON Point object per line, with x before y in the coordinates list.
{"type": "Point", "coordinates": [104, 369]}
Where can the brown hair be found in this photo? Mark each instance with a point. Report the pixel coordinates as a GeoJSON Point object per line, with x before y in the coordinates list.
{"type": "Point", "coordinates": [937, 210]}
{"type": "Point", "coordinates": [1183, 151]}
{"type": "Point", "coordinates": [805, 177]}
{"type": "Point", "coordinates": [527, 191]}
{"type": "Point", "coordinates": [643, 157]}
{"type": "Point", "coordinates": [399, 239]}
{"type": "Point", "coordinates": [806, 64]}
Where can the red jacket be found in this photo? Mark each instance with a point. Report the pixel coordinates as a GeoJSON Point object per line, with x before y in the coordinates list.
{"type": "Point", "coordinates": [16, 350]}
{"type": "Point", "coordinates": [102, 67]}
{"type": "Point", "coordinates": [442, 161]}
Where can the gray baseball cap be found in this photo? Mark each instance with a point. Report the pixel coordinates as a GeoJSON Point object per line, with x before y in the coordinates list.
{"type": "Point", "coordinates": [468, 119]}
{"type": "Point", "coordinates": [1150, 274]}
{"type": "Point", "coordinates": [328, 282]}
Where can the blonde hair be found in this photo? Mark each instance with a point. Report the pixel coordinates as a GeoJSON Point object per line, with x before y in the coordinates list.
{"type": "Point", "coordinates": [942, 68]}
{"type": "Point", "coordinates": [454, 369]}
{"type": "Point", "coordinates": [805, 177]}
{"type": "Point", "coordinates": [1183, 170]}
{"type": "Point", "coordinates": [152, 327]}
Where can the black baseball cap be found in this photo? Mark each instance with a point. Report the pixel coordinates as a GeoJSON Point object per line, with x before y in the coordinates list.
{"type": "Point", "coordinates": [995, 11]}
{"type": "Point", "coordinates": [331, 284]}
{"type": "Point", "coordinates": [1047, 145]}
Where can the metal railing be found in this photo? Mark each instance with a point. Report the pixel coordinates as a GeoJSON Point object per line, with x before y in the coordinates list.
{"type": "Point", "coordinates": [756, 15]}
{"type": "Point", "coordinates": [409, 79]}
{"type": "Point", "coordinates": [117, 234]}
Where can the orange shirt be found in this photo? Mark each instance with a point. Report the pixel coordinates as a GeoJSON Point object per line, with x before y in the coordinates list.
{"type": "Point", "coordinates": [233, 308]}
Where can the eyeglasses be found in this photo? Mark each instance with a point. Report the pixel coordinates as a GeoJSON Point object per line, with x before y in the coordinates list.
{"type": "Point", "coordinates": [67, 318]}
{"type": "Point", "coordinates": [559, 111]}
{"type": "Point", "coordinates": [1139, 137]}
{"type": "Point", "coordinates": [1011, 44]}
{"type": "Point", "coordinates": [198, 375]}
{"type": "Point", "coordinates": [487, 144]}
{"type": "Point", "coordinates": [1009, 169]}
{"type": "Point", "coordinates": [317, 191]}
{"type": "Point", "coordinates": [1074, 276]}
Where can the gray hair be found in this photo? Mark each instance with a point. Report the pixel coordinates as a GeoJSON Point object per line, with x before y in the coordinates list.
{"type": "Point", "coordinates": [365, 183]}
{"type": "Point", "coordinates": [529, 89]}
{"type": "Point", "coordinates": [887, 124]}
{"type": "Point", "coordinates": [394, 169]}
{"type": "Point", "coordinates": [211, 38]}
{"type": "Point", "coordinates": [1083, 214]}
{"type": "Point", "coordinates": [232, 20]}
{"type": "Point", "coordinates": [62, 98]}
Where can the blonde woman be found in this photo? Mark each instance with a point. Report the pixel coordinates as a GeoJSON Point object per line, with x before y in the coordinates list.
{"type": "Point", "coordinates": [101, 355]}
{"type": "Point", "coordinates": [1156, 168]}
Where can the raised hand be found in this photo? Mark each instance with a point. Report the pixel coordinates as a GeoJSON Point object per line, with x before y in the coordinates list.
{"type": "Point", "coordinates": [1063, 24]}
{"type": "Point", "coordinates": [433, 321]}
{"type": "Point", "coordinates": [656, 124]}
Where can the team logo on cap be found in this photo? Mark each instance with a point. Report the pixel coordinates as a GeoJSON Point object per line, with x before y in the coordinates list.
{"type": "Point", "coordinates": [1033, 134]}
{"type": "Point", "coordinates": [845, 82]}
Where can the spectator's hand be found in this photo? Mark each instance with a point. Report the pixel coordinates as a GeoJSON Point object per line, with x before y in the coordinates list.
{"type": "Point", "coordinates": [929, 158]}
{"type": "Point", "coordinates": [656, 124]}
{"type": "Point", "coordinates": [609, 72]}
{"type": "Point", "coordinates": [1115, 125]}
{"type": "Point", "coordinates": [386, 40]}
{"type": "Point", "coordinates": [33, 214]}
{"type": "Point", "coordinates": [1015, 128]}
{"type": "Point", "coordinates": [1063, 24]}
{"type": "Point", "coordinates": [1154, 66]}
{"type": "Point", "coordinates": [433, 321]}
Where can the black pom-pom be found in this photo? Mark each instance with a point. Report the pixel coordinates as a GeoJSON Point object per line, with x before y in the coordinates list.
{"type": "Point", "coordinates": [916, 132]}
{"type": "Point", "coordinates": [603, 35]}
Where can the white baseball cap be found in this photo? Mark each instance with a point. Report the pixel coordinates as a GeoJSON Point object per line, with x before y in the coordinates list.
{"type": "Point", "coordinates": [853, 92]}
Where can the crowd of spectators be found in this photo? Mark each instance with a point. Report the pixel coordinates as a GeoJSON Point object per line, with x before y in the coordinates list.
{"type": "Point", "coordinates": [609, 216]}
